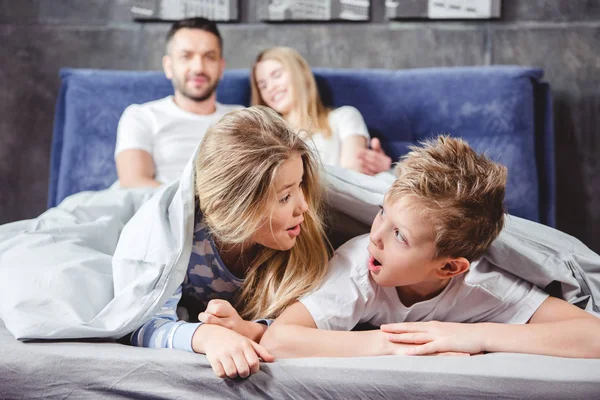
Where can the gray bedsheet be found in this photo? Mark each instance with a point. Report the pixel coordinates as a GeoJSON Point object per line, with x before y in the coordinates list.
{"type": "Point", "coordinates": [76, 369]}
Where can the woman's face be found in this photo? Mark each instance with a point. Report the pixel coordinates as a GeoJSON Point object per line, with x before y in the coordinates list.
{"type": "Point", "coordinates": [286, 208]}
{"type": "Point", "coordinates": [274, 85]}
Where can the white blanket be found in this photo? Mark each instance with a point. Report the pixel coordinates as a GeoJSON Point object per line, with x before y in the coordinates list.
{"type": "Point", "coordinates": [102, 263]}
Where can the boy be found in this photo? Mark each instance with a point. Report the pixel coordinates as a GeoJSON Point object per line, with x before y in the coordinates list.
{"type": "Point", "coordinates": [422, 262]}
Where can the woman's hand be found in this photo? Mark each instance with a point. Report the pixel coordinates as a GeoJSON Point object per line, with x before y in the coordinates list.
{"type": "Point", "coordinates": [229, 353]}
{"type": "Point", "coordinates": [436, 337]}
{"type": "Point", "coordinates": [374, 160]}
{"type": "Point", "coordinates": [222, 313]}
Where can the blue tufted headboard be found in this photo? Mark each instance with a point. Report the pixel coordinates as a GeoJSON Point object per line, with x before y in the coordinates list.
{"type": "Point", "coordinates": [504, 110]}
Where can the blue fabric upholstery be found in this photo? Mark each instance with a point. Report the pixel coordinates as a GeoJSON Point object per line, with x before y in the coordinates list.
{"type": "Point", "coordinates": [504, 110]}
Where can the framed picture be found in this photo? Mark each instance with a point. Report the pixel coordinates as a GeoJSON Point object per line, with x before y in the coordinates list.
{"type": "Point", "coordinates": [442, 9]}
{"type": "Point", "coordinates": [316, 10]}
{"type": "Point", "coordinates": [173, 10]}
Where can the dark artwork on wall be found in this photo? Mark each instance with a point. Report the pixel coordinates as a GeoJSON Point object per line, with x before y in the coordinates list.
{"type": "Point", "coordinates": [316, 10]}
{"type": "Point", "coordinates": [172, 10]}
{"type": "Point", "coordinates": [442, 9]}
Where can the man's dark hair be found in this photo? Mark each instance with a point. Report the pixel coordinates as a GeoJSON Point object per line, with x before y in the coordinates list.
{"type": "Point", "coordinates": [195, 23]}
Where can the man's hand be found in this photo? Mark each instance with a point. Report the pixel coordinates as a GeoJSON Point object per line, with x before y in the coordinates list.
{"type": "Point", "coordinates": [436, 337]}
{"type": "Point", "coordinates": [374, 160]}
{"type": "Point", "coordinates": [229, 353]}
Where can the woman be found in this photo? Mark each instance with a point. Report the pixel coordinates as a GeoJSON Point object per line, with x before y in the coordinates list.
{"type": "Point", "coordinates": [282, 79]}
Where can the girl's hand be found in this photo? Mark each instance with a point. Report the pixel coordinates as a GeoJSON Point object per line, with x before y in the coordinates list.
{"type": "Point", "coordinates": [436, 337]}
{"type": "Point", "coordinates": [229, 353]}
{"type": "Point", "coordinates": [221, 312]}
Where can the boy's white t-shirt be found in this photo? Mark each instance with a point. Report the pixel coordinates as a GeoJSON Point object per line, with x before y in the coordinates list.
{"type": "Point", "coordinates": [344, 122]}
{"type": "Point", "coordinates": [169, 133]}
{"type": "Point", "coordinates": [349, 295]}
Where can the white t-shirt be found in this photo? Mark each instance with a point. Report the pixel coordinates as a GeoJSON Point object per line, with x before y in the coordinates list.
{"type": "Point", "coordinates": [485, 293]}
{"type": "Point", "coordinates": [344, 122]}
{"type": "Point", "coordinates": [169, 133]}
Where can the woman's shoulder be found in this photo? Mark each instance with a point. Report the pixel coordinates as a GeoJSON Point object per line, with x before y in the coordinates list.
{"type": "Point", "coordinates": [344, 112]}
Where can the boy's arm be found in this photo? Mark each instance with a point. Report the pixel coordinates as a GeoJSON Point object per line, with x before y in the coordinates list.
{"type": "Point", "coordinates": [295, 334]}
{"type": "Point", "coordinates": [557, 328]}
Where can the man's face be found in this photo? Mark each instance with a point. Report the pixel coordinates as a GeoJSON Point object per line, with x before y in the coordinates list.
{"type": "Point", "coordinates": [194, 63]}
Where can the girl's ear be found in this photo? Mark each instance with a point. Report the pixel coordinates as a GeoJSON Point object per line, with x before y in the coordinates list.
{"type": "Point", "coordinates": [453, 267]}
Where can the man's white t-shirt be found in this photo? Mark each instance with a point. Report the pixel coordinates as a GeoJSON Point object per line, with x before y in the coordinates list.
{"type": "Point", "coordinates": [169, 133]}
{"type": "Point", "coordinates": [485, 293]}
{"type": "Point", "coordinates": [344, 122]}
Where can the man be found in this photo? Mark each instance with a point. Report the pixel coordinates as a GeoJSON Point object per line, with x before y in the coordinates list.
{"type": "Point", "coordinates": [155, 140]}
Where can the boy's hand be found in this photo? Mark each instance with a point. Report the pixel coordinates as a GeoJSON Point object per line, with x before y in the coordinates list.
{"type": "Point", "coordinates": [229, 353]}
{"type": "Point", "coordinates": [435, 337]}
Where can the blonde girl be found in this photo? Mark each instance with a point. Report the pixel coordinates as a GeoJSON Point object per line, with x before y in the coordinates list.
{"type": "Point", "coordinates": [259, 242]}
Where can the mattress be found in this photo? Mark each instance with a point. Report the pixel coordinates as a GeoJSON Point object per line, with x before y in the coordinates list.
{"type": "Point", "coordinates": [101, 369]}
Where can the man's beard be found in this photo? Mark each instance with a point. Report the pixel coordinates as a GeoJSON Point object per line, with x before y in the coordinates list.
{"type": "Point", "coordinates": [203, 96]}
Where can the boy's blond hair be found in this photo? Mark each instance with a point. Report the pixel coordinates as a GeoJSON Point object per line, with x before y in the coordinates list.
{"type": "Point", "coordinates": [459, 191]}
{"type": "Point", "coordinates": [236, 166]}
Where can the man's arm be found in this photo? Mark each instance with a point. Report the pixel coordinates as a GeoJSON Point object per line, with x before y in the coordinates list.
{"type": "Point", "coordinates": [133, 149]}
{"type": "Point", "coordinates": [135, 168]}
{"type": "Point", "coordinates": [557, 328]}
{"type": "Point", "coordinates": [295, 334]}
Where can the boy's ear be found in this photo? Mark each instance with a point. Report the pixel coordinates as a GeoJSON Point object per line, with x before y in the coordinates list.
{"type": "Point", "coordinates": [453, 267]}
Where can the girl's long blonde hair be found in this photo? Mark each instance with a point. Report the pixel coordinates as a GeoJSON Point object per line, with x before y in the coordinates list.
{"type": "Point", "coordinates": [236, 166]}
{"type": "Point", "coordinates": [313, 114]}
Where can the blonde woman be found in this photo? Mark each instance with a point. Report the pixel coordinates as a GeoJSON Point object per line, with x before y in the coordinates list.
{"type": "Point", "coordinates": [282, 79]}
{"type": "Point", "coordinates": [258, 242]}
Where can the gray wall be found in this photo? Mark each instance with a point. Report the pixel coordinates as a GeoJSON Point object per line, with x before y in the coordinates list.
{"type": "Point", "coordinates": [37, 37]}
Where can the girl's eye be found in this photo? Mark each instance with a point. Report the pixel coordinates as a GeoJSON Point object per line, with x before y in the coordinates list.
{"type": "Point", "coordinates": [285, 199]}
{"type": "Point", "coordinates": [277, 74]}
{"type": "Point", "coordinates": [381, 211]}
{"type": "Point", "coordinates": [398, 235]}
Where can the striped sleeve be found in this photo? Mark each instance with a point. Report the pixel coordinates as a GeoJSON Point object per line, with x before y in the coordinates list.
{"type": "Point", "coordinates": [164, 330]}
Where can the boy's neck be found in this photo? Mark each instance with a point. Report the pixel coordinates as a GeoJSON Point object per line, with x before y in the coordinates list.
{"type": "Point", "coordinates": [412, 294]}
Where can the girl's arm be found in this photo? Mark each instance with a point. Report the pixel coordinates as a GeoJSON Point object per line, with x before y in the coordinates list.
{"type": "Point", "coordinates": [229, 353]}
{"type": "Point", "coordinates": [164, 330]}
{"type": "Point", "coordinates": [221, 312]}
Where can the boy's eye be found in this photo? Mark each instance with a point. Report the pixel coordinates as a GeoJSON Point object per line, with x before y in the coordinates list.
{"type": "Point", "coordinates": [398, 235]}
{"type": "Point", "coordinates": [381, 211]}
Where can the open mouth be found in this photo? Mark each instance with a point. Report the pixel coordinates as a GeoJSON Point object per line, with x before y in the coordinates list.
{"type": "Point", "coordinates": [374, 264]}
{"type": "Point", "coordinates": [294, 230]}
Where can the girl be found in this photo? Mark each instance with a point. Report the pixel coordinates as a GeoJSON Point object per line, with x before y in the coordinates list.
{"type": "Point", "coordinates": [258, 241]}
{"type": "Point", "coordinates": [282, 80]}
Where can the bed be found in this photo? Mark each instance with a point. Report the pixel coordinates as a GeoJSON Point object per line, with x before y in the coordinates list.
{"type": "Point", "coordinates": [504, 110]}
